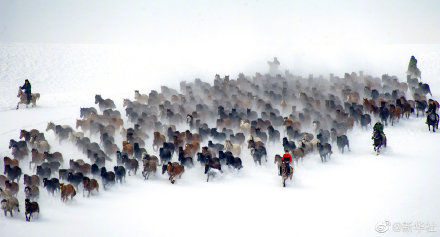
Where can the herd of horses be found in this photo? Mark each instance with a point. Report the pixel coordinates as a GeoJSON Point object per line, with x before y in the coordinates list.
{"type": "Point", "coordinates": [215, 127]}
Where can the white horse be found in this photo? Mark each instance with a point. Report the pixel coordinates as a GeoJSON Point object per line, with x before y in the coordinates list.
{"type": "Point", "coordinates": [23, 98]}
{"type": "Point", "coordinates": [235, 149]}
{"type": "Point", "coordinates": [245, 127]}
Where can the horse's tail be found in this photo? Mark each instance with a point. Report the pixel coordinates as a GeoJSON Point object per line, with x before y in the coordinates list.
{"type": "Point", "coordinates": [37, 96]}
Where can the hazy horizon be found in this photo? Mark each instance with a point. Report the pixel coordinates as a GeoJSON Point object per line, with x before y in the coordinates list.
{"type": "Point", "coordinates": [220, 22]}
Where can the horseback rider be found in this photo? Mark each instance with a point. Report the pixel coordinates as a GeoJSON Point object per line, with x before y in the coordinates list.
{"type": "Point", "coordinates": [286, 160]}
{"type": "Point", "coordinates": [412, 67]}
{"type": "Point", "coordinates": [27, 90]}
{"type": "Point", "coordinates": [378, 127]}
{"type": "Point", "coordinates": [273, 66]}
{"type": "Point", "coordinates": [432, 108]}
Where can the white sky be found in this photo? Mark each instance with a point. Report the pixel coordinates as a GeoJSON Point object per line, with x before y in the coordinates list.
{"type": "Point", "coordinates": [220, 22]}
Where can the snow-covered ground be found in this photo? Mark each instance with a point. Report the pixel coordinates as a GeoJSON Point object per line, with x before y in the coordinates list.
{"type": "Point", "coordinates": [348, 196]}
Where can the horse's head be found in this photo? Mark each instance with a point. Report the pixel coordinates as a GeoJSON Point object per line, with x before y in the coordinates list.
{"type": "Point", "coordinates": [22, 133]}
{"type": "Point", "coordinates": [12, 142]}
{"type": "Point", "coordinates": [50, 126]}
{"type": "Point", "coordinates": [19, 93]}
{"type": "Point", "coordinates": [97, 98]}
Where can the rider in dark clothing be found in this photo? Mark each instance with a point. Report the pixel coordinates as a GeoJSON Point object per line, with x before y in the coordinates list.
{"type": "Point", "coordinates": [27, 90]}
{"type": "Point", "coordinates": [432, 108]}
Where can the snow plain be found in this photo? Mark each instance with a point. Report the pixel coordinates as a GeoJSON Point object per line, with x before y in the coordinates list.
{"type": "Point", "coordinates": [348, 196]}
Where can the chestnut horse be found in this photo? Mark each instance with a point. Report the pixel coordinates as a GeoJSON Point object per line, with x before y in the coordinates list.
{"type": "Point", "coordinates": [174, 170]}
{"type": "Point", "coordinates": [66, 191]}
{"type": "Point", "coordinates": [159, 139]}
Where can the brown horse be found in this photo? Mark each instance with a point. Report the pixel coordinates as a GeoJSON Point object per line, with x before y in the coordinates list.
{"type": "Point", "coordinates": [158, 140]}
{"type": "Point", "coordinates": [369, 105]}
{"type": "Point", "coordinates": [192, 148]}
{"type": "Point", "coordinates": [284, 174]}
{"type": "Point", "coordinates": [28, 135]}
{"type": "Point", "coordinates": [11, 162]}
{"type": "Point", "coordinates": [66, 191]}
{"type": "Point", "coordinates": [174, 170]}
{"type": "Point", "coordinates": [12, 187]}
{"type": "Point", "coordinates": [31, 180]}
{"type": "Point", "coordinates": [23, 98]}
{"type": "Point", "coordinates": [254, 142]}
{"type": "Point", "coordinates": [117, 123]}
{"type": "Point", "coordinates": [298, 154]}
{"type": "Point", "coordinates": [127, 148]}
{"type": "Point", "coordinates": [84, 123]}
{"type": "Point", "coordinates": [90, 185]}
{"type": "Point", "coordinates": [37, 158]}
{"type": "Point", "coordinates": [150, 167]}
{"type": "Point", "coordinates": [395, 113]}
{"type": "Point", "coordinates": [2, 181]}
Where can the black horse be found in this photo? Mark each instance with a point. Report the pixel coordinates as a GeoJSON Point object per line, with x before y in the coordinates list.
{"type": "Point", "coordinates": [379, 141]}
{"type": "Point", "coordinates": [432, 120]}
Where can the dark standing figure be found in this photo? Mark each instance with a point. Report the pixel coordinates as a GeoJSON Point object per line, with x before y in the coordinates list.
{"type": "Point", "coordinates": [27, 90]}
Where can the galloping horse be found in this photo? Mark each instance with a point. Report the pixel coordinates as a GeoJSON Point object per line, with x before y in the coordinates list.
{"type": "Point", "coordinates": [379, 141]}
{"type": "Point", "coordinates": [284, 174]}
{"type": "Point", "coordinates": [174, 170]}
{"type": "Point", "coordinates": [432, 120]}
{"type": "Point", "coordinates": [23, 98]}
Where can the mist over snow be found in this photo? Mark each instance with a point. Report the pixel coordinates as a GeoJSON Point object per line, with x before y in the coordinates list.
{"type": "Point", "coordinates": [72, 50]}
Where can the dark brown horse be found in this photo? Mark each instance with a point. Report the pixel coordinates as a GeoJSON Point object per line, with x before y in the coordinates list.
{"type": "Point", "coordinates": [90, 185]}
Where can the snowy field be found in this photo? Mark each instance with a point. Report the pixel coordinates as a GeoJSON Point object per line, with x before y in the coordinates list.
{"type": "Point", "coordinates": [348, 196]}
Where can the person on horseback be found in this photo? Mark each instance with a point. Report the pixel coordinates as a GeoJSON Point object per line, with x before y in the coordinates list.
{"type": "Point", "coordinates": [412, 67]}
{"type": "Point", "coordinates": [286, 160]}
{"type": "Point", "coordinates": [273, 66]}
{"type": "Point", "coordinates": [27, 90]}
{"type": "Point", "coordinates": [379, 128]}
{"type": "Point", "coordinates": [432, 109]}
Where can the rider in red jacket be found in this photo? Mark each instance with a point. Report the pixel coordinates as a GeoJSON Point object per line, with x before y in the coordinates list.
{"type": "Point", "coordinates": [287, 159]}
